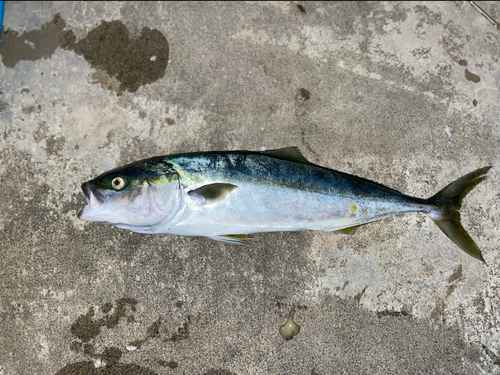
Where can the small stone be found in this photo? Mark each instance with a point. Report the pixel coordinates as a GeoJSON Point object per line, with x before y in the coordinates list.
{"type": "Point", "coordinates": [289, 329]}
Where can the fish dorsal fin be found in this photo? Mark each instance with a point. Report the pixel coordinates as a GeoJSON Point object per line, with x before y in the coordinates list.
{"type": "Point", "coordinates": [232, 239]}
{"type": "Point", "coordinates": [348, 230]}
{"type": "Point", "coordinates": [213, 192]}
{"type": "Point", "coordinates": [289, 154]}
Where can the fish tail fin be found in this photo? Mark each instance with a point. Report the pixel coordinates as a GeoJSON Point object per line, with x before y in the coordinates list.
{"type": "Point", "coordinates": [446, 216]}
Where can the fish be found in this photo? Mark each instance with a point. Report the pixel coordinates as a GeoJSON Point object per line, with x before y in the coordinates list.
{"type": "Point", "coordinates": [230, 195]}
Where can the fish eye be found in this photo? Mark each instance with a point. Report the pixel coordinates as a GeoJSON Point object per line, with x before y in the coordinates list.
{"type": "Point", "coordinates": [118, 183]}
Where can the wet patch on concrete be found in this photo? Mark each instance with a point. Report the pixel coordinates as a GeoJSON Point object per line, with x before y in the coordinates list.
{"type": "Point", "coordinates": [494, 358]}
{"type": "Point", "coordinates": [389, 313]}
{"type": "Point", "coordinates": [469, 76]}
{"type": "Point", "coordinates": [152, 332]}
{"type": "Point", "coordinates": [454, 279]}
{"type": "Point", "coordinates": [182, 333]}
{"type": "Point", "coordinates": [219, 371]}
{"type": "Point", "coordinates": [358, 296]}
{"type": "Point", "coordinates": [302, 96]}
{"type": "Point", "coordinates": [171, 364]}
{"type": "Point", "coordinates": [86, 328]}
{"type": "Point", "coordinates": [122, 64]}
{"type": "Point", "coordinates": [438, 314]}
{"type": "Point", "coordinates": [112, 367]}
{"type": "Point", "coordinates": [426, 17]}
{"type": "Point", "coordinates": [54, 146]}
{"type": "Point", "coordinates": [32, 45]}
{"type": "Point", "coordinates": [41, 132]}
{"type": "Point", "coordinates": [456, 275]}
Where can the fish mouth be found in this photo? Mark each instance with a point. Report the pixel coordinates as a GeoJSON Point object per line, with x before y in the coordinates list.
{"type": "Point", "coordinates": [93, 198]}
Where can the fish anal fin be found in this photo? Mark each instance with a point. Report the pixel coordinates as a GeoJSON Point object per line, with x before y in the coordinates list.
{"type": "Point", "coordinates": [232, 239]}
{"type": "Point", "coordinates": [348, 230]}
{"type": "Point", "coordinates": [213, 192]}
{"type": "Point", "coordinates": [289, 154]}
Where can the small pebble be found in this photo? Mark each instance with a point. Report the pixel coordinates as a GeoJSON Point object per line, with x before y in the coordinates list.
{"type": "Point", "coordinates": [152, 58]}
{"type": "Point", "coordinates": [289, 329]}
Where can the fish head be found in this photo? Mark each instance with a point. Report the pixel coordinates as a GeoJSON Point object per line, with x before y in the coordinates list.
{"type": "Point", "coordinates": [140, 196]}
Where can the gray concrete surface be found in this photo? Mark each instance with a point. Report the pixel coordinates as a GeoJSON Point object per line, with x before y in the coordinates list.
{"type": "Point", "coordinates": [405, 94]}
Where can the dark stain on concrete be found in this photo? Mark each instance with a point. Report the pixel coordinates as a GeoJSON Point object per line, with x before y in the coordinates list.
{"type": "Point", "coordinates": [301, 8]}
{"type": "Point", "coordinates": [454, 278]}
{"type": "Point", "coordinates": [183, 332]}
{"type": "Point", "coordinates": [469, 76]}
{"type": "Point", "coordinates": [304, 94]}
{"type": "Point", "coordinates": [3, 105]}
{"type": "Point", "coordinates": [86, 328]}
{"type": "Point", "coordinates": [154, 329]}
{"type": "Point", "coordinates": [28, 110]}
{"type": "Point", "coordinates": [170, 121]}
{"type": "Point", "coordinates": [479, 305]}
{"type": "Point", "coordinates": [106, 308]}
{"type": "Point", "coordinates": [438, 313]}
{"type": "Point", "coordinates": [219, 371]}
{"type": "Point", "coordinates": [463, 62]}
{"type": "Point", "coordinates": [279, 301]}
{"type": "Point", "coordinates": [32, 45]}
{"type": "Point", "coordinates": [494, 358]}
{"type": "Point", "coordinates": [114, 368]}
{"type": "Point", "coordinates": [171, 364]}
{"type": "Point", "coordinates": [358, 296]}
{"type": "Point", "coordinates": [456, 275]}
{"type": "Point", "coordinates": [426, 17]}
{"type": "Point", "coordinates": [54, 145]}
{"type": "Point", "coordinates": [302, 105]}
{"type": "Point", "coordinates": [474, 103]}
{"type": "Point", "coordinates": [385, 313]}
{"type": "Point", "coordinates": [41, 132]}
{"type": "Point", "coordinates": [345, 284]}
{"type": "Point", "coordinates": [133, 62]}
{"type": "Point", "coordinates": [152, 332]}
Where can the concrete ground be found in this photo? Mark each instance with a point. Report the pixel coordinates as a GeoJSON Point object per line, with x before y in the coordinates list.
{"type": "Point", "coordinates": [405, 94]}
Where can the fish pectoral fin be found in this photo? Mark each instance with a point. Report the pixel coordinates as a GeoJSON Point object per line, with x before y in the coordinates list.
{"type": "Point", "coordinates": [348, 230]}
{"type": "Point", "coordinates": [213, 192]}
{"type": "Point", "coordinates": [233, 239]}
{"type": "Point", "coordinates": [289, 154]}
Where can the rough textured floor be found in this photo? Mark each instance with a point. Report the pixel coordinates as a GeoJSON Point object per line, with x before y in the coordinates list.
{"type": "Point", "coordinates": [405, 94]}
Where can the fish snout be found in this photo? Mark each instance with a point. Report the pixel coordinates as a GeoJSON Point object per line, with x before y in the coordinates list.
{"type": "Point", "coordinates": [93, 197]}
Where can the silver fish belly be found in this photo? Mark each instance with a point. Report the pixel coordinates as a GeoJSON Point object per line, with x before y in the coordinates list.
{"type": "Point", "coordinates": [228, 195]}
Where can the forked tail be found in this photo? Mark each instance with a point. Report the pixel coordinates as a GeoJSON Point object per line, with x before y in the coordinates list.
{"type": "Point", "coordinates": [448, 201]}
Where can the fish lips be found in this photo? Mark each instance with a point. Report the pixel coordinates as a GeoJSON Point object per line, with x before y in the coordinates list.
{"type": "Point", "coordinates": [95, 200]}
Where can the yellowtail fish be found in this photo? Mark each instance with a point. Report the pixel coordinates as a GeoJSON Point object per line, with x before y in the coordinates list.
{"type": "Point", "coordinates": [229, 195]}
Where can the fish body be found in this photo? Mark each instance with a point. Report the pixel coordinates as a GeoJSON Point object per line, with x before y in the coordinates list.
{"type": "Point", "coordinates": [227, 196]}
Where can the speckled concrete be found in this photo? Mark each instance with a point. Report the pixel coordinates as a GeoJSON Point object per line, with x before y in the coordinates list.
{"type": "Point", "coordinates": [405, 94]}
